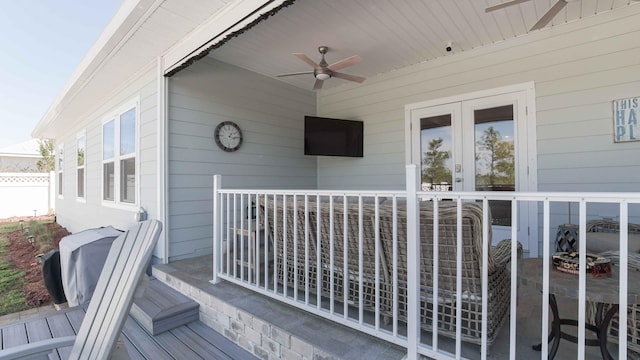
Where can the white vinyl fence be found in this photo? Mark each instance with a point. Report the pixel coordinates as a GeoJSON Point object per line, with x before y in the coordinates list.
{"type": "Point", "coordinates": [26, 194]}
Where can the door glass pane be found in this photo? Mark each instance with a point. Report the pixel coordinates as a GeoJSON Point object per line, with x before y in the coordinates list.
{"type": "Point", "coordinates": [495, 157]}
{"type": "Point", "coordinates": [435, 150]}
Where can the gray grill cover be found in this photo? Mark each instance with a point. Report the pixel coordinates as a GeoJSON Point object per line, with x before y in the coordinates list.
{"type": "Point", "coordinates": [82, 256]}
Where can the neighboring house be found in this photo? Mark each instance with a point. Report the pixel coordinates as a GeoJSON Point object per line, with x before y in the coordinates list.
{"type": "Point", "coordinates": [21, 157]}
{"type": "Point", "coordinates": [134, 126]}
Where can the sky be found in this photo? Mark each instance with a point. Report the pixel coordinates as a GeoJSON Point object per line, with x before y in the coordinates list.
{"type": "Point", "coordinates": [41, 43]}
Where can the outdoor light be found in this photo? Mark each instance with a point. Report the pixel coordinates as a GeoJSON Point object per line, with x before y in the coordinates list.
{"type": "Point", "coordinates": [320, 74]}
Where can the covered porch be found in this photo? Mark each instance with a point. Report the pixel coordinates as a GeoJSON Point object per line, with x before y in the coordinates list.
{"type": "Point", "coordinates": [379, 262]}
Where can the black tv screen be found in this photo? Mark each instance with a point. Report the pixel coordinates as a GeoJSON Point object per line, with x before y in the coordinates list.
{"type": "Point", "coordinates": [332, 137]}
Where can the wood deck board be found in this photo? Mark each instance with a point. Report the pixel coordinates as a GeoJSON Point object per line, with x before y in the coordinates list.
{"type": "Point", "coordinates": [199, 345]}
{"type": "Point", "coordinates": [144, 343]}
{"type": "Point", "coordinates": [59, 326]}
{"type": "Point", "coordinates": [191, 341]}
{"type": "Point", "coordinates": [217, 340]}
{"type": "Point", "coordinates": [14, 335]}
{"type": "Point", "coordinates": [37, 330]}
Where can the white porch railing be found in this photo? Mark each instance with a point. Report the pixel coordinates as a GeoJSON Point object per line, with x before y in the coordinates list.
{"type": "Point", "coordinates": [358, 258]}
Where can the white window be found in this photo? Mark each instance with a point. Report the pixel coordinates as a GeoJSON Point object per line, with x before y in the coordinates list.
{"type": "Point", "coordinates": [81, 147]}
{"type": "Point", "coordinates": [119, 153]}
{"type": "Point", "coordinates": [60, 166]}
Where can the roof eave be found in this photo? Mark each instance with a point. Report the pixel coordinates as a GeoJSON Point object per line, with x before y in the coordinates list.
{"type": "Point", "coordinates": [117, 30]}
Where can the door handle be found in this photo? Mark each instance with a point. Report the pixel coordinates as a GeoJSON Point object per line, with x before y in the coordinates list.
{"type": "Point", "coordinates": [458, 180]}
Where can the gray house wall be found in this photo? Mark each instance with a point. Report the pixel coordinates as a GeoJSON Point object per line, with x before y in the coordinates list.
{"type": "Point", "coordinates": [271, 117]}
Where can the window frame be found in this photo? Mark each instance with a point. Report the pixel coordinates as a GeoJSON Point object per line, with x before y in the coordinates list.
{"type": "Point", "coordinates": [60, 170]}
{"type": "Point", "coordinates": [83, 167]}
{"type": "Point", "coordinates": [116, 158]}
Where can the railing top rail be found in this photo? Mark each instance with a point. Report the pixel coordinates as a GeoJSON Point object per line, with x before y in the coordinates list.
{"type": "Point", "coordinates": [536, 196]}
{"type": "Point", "coordinates": [603, 197]}
{"type": "Point", "coordinates": [387, 193]}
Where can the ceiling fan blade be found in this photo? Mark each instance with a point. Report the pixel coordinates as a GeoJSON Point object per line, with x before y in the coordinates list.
{"type": "Point", "coordinates": [295, 73]}
{"type": "Point", "coordinates": [550, 14]}
{"type": "Point", "coordinates": [352, 60]}
{"type": "Point", "coordinates": [504, 5]}
{"type": "Point", "coordinates": [306, 59]}
{"type": "Point", "coordinates": [358, 79]}
{"type": "Point", "coordinates": [318, 84]}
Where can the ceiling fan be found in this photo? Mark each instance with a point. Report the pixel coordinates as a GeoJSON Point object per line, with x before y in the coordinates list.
{"type": "Point", "coordinates": [545, 19]}
{"type": "Point", "coordinates": [323, 71]}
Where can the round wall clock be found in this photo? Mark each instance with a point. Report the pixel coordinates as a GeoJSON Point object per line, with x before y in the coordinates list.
{"type": "Point", "coordinates": [228, 136]}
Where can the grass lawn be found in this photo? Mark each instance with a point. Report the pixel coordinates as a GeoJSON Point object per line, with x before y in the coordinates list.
{"type": "Point", "coordinates": [12, 298]}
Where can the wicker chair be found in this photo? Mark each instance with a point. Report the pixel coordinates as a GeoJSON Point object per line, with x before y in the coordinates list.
{"type": "Point", "coordinates": [633, 311]}
{"type": "Point", "coordinates": [499, 278]}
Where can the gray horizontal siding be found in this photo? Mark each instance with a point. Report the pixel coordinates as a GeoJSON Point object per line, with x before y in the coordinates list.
{"type": "Point", "coordinates": [271, 116]}
{"type": "Point", "coordinates": [577, 69]}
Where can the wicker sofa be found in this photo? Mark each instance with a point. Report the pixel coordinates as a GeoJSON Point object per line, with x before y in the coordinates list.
{"type": "Point", "coordinates": [332, 260]}
{"type": "Point", "coordinates": [499, 277]}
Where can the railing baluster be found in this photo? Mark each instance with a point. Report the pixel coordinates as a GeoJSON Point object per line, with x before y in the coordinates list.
{"type": "Point", "coordinates": [514, 280]}
{"type": "Point", "coordinates": [331, 256]}
{"type": "Point", "coordinates": [377, 262]}
{"type": "Point", "coordinates": [319, 276]}
{"type": "Point", "coordinates": [275, 245]}
{"type": "Point", "coordinates": [228, 239]}
{"type": "Point", "coordinates": [242, 237]}
{"type": "Point", "coordinates": [345, 257]}
{"type": "Point", "coordinates": [259, 240]}
{"type": "Point", "coordinates": [285, 247]}
{"type": "Point", "coordinates": [486, 226]}
{"type": "Point", "coordinates": [394, 212]}
{"type": "Point", "coordinates": [295, 246]}
{"type": "Point", "coordinates": [459, 276]}
{"type": "Point", "coordinates": [360, 262]}
{"type": "Point", "coordinates": [624, 273]}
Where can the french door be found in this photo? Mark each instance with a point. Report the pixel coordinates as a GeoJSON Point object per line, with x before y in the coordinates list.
{"type": "Point", "coordinates": [477, 143]}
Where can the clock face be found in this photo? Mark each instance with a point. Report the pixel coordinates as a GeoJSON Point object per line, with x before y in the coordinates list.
{"type": "Point", "coordinates": [228, 136]}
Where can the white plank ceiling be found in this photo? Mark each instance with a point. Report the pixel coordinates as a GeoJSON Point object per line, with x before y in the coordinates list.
{"type": "Point", "coordinates": [388, 34]}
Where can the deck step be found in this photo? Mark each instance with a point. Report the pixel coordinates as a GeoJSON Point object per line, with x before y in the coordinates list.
{"type": "Point", "coordinates": [161, 308]}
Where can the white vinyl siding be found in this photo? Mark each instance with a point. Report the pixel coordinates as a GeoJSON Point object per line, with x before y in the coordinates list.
{"type": "Point", "coordinates": [81, 149]}
{"type": "Point", "coordinates": [271, 117]}
{"type": "Point", "coordinates": [578, 71]}
{"type": "Point", "coordinates": [77, 216]}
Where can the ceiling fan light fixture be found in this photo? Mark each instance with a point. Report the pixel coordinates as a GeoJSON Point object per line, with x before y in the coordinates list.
{"type": "Point", "coordinates": [322, 76]}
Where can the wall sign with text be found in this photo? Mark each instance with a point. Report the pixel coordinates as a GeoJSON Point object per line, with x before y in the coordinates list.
{"type": "Point", "coordinates": [625, 119]}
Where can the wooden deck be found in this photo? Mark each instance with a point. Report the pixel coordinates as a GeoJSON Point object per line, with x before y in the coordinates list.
{"type": "Point", "coordinates": [192, 341]}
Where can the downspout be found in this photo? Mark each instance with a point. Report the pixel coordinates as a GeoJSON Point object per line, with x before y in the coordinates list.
{"type": "Point", "coordinates": [161, 177]}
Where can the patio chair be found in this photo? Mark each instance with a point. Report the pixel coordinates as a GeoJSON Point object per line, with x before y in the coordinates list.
{"type": "Point", "coordinates": [109, 307]}
{"type": "Point", "coordinates": [633, 310]}
{"type": "Point", "coordinates": [499, 278]}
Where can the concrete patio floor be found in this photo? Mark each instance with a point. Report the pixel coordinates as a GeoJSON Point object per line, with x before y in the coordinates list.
{"type": "Point", "coordinates": [197, 273]}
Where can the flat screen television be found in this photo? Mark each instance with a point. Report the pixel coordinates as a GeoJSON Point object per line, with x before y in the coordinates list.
{"type": "Point", "coordinates": [332, 137]}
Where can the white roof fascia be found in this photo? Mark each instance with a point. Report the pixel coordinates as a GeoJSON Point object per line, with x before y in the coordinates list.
{"type": "Point", "coordinates": [235, 16]}
{"type": "Point", "coordinates": [109, 40]}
